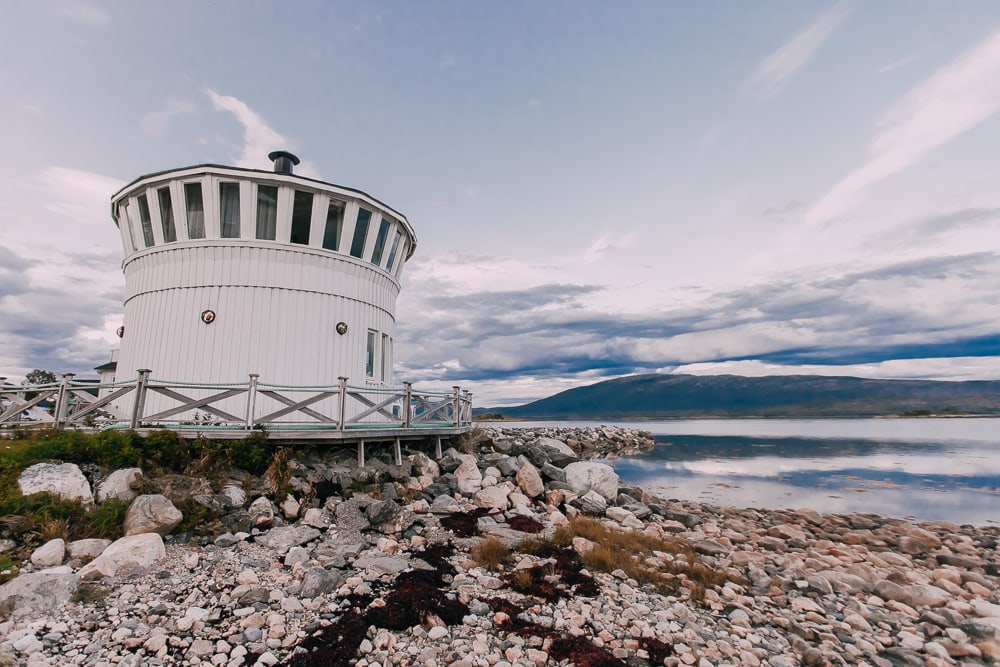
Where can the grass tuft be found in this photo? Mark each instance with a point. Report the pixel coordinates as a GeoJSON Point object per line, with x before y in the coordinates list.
{"type": "Point", "coordinates": [491, 553]}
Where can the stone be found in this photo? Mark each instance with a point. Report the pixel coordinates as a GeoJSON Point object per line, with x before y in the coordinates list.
{"type": "Point", "coordinates": [913, 595]}
{"type": "Point", "coordinates": [381, 511]}
{"type": "Point", "coordinates": [118, 485]}
{"type": "Point", "coordinates": [261, 512]}
{"type": "Point", "coordinates": [445, 505]}
{"type": "Point", "coordinates": [559, 453]}
{"type": "Point", "coordinates": [64, 480]}
{"type": "Point", "coordinates": [152, 514]}
{"type": "Point", "coordinates": [492, 497]}
{"type": "Point", "coordinates": [382, 564]}
{"type": "Point", "coordinates": [290, 507]}
{"type": "Point", "coordinates": [87, 549]}
{"type": "Point", "coordinates": [37, 594]}
{"type": "Point", "coordinates": [234, 495]}
{"type": "Point", "coordinates": [319, 581]}
{"type": "Point", "coordinates": [316, 517]}
{"type": "Point", "coordinates": [49, 554]}
{"type": "Point", "coordinates": [530, 480]}
{"type": "Point", "coordinates": [133, 551]}
{"type": "Point", "coordinates": [591, 503]}
{"type": "Point", "coordinates": [468, 478]}
{"type": "Point", "coordinates": [283, 538]}
{"type": "Point", "coordinates": [424, 465]}
{"type": "Point", "coordinates": [584, 476]}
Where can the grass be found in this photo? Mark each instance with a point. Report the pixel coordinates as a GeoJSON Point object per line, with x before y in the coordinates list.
{"type": "Point", "coordinates": [37, 518]}
{"type": "Point", "coordinates": [491, 553]}
{"type": "Point", "coordinates": [668, 563]}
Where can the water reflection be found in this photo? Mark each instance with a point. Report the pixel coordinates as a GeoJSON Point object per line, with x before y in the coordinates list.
{"type": "Point", "coordinates": [957, 480]}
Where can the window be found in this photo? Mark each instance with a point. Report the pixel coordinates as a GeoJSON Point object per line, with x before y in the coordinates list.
{"type": "Point", "coordinates": [167, 215]}
{"type": "Point", "coordinates": [334, 223]}
{"type": "Point", "coordinates": [361, 232]}
{"type": "Point", "coordinates": [229, 210]}
{"type": "Point", "coordinates": [144, 221]}
{"type": "Point", "coordinates": [195, 208]}
{"type": "Point", "coordinates": [383, 232]}
{"type": "Point", "coordinates": [393, 249]}
{"type": "Point", "coordinates": [267, 211]}
{"type": "Point", "coordinates": [370, 355]}
{"type": "Point", "coordinates": [125, 219]}
{"type": "Point", "coordinates": [301, 216]}
{"type": "Point", "coordinates": [385, 357]}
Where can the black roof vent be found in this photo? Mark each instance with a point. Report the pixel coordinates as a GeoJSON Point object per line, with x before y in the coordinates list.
{"type": "Point", "coordinates": [283, 161]}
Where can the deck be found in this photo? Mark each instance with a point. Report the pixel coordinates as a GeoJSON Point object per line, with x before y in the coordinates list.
{"type": "Point", "coordinates": [337, 414]}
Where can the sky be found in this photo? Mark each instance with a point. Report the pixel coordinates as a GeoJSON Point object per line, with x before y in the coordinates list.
{"type": "Point", "coordinates": [598, 189]}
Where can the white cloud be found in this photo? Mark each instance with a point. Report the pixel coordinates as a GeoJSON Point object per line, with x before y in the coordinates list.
{"type": "Point", "coordinates": [954, 100]}
{"type": "Point", "coordinates": [155, 122]}
{"type": "Point", "coordinates": [951, 368]}
{"type": "Point", "coordinates": [778, 68]}
{"type": "Point", "coordinates": [258, 137]}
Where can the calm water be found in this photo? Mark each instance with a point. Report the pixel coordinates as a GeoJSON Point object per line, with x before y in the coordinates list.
{"type": "Point", "coordinates": [924, 469]}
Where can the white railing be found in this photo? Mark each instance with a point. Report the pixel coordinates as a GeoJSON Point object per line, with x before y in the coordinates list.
{"type": "Point", "coordinates": [148, 401]}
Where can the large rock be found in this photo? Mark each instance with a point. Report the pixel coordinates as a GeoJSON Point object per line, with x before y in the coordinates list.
{"type": "Point", "coordinates": [590, 503]}
{"type": "Point", "coordinates": [530, 481]}
{"type": "Point", "coordinates": [467, 476]}
{"type": "Point", "coordinates": [37, 594]}
{"type": "Point", "coordinates": [133, 551]}
{"type": "Point", "coordinates": [49, 554]}
{"type": "Point", "coordinates": [584, 476]}
{"type": "Point", "coordinates": [64, 480]}
{"type": "Point", "coordinates": [261, 512]}
{"type": "Point", "coordinates": [559, 453]}
{"type": "Point", "coordinates": [914, 595]}
{"type": "Point", "coordinates": [424, 465]}
{"type": "Point", "coordinates": [493, 497]}
{"type": "Point", "coordinates": [152, 514]}
{"type": "Point", "coordinates": [283, 538]}
{"type": "Point", "coordinates": [118, 485]}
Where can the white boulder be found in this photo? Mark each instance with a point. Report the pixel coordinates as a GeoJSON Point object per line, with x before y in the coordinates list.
{"type": "Point", "coordinates": [118, 485]}
{"type": "Point", "coordinates": [129, 552]}
{"type": "Point", "coordinates": [584, 476]}
{"type": "Point", "coordinates": [49, 554]}
{"type": "Point", "coordinates": [88, 549]}
{"type": "Point", "coordinates": [467, 476]}
{"type": "Point", "coordinates": [152, 514]}
{"type": "Point", "coordinates": [64, 480]}
{"type": "Point", "coordinates": [530, 481]}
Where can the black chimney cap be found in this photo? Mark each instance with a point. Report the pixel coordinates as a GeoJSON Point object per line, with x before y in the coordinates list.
{"type": "Point", "coordinates": [283, 161]}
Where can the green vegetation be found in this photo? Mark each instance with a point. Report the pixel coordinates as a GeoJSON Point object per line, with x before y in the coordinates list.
{"type": "Point", "coordinates": [32, 520]}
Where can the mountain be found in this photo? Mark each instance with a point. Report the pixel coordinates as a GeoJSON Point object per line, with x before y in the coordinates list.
{"type": "Point", "coordinates": [685, 396]}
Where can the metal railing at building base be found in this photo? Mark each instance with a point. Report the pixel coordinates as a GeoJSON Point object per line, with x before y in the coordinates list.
{"type": "Point", "coordinates": [147, 402]}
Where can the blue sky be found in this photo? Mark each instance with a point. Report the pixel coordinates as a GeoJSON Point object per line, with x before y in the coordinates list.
{"type": "Point", "coordinates": [598, 189]}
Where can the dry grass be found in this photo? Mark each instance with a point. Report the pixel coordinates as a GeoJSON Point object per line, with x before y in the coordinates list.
{"type": "Point", "coordinates": [54, 528]}
{"type": "Point", "coordinates": [523, 580]}
{"type": "Point", "coordinates": [633, 553]}
{"type": "Point", "coordinates": [491, 553]}
{"type": "Point", "coordinates": [278, 475]}
{"type": "Point", "coordinates": [532, 545]}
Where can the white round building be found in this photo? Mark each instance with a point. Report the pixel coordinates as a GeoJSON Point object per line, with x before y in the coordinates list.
{"type": "Point", "coordinates": [232, 271]}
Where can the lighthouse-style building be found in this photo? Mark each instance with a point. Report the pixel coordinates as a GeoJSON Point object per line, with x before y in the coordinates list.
{"type": "Point", "coordinates": [232, 271]}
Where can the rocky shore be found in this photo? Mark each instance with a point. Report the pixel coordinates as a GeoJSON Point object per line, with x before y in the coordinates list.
{"type": "Point", "coordinates": [389, 566]}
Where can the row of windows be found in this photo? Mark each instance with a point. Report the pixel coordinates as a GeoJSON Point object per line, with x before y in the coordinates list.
{"type": "Point", "coordinates": [384, 359]}
{"type": "Point", "coordinates": [137, 217]}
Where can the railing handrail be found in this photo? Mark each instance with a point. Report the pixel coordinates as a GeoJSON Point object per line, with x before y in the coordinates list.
{"type": "Point", "coordinates": [265, 404]}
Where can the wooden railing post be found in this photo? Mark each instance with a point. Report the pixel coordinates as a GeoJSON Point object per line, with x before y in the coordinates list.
{"type": "Point", "coordinates": [251, 400]}
{"type": "Point", "coordinates": [407, 399]}
{"type": "Point", "coordinates": [62, 400]}
{"type": "Point", "coordinates": [467, 408]}
{"type": "Point", "coordinates": [140, 397]}
{"type": "Point", "coordinates": [458, 404]}
{"type": "Point", "coordinates": [343, 405]}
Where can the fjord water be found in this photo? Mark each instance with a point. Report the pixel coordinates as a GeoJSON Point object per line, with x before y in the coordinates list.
{"type": "Point", "coordinates": [924, 469]}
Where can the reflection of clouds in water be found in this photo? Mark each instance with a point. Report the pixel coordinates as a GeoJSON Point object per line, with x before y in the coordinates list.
{"type": "Point", "coordinates": [955, 463]}
{"type": "Point", "coordinates": [959, 506]}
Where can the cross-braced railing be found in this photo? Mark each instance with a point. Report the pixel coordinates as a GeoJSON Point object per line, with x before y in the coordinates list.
{"type": "Point", "coordinates": [148, 401]}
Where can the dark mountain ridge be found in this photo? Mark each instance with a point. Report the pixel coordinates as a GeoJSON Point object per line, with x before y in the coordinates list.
{"type": "Point", "coordinates": [656, 396]}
